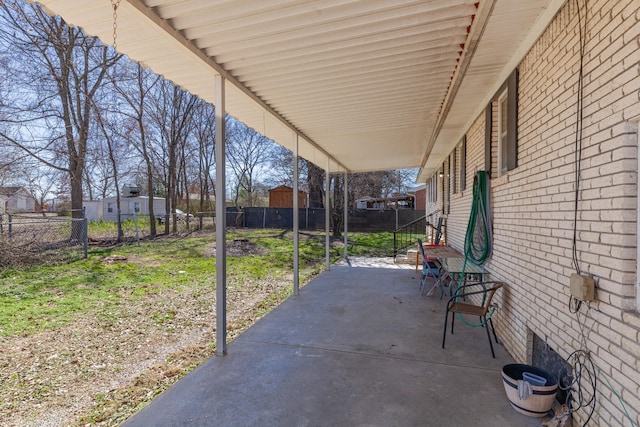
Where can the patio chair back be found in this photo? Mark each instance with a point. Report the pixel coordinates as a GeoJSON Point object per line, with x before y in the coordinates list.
{"type": "Point", "coordinates": [429, 267]}
{"type": "Point", "coordinates": [458, 304]}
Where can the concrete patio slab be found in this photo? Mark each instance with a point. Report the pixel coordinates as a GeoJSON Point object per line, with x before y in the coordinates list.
{"type": "Point", "coordinates": [358, 347]}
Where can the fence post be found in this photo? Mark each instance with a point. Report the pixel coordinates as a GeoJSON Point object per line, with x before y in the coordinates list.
{"type": "Point", "coordinates": [395, 245]}
{"type": "Point", "coordinates": [86, 237]}
{"type": "Point", "coordinates": [10, 226]}
{"type": "Point", "coordinates": [85, 232]}
{"type": "Point", "coordinates": [135, 221]}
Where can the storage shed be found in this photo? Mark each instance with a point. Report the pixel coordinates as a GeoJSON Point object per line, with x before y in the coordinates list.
{"type": "Point", "coordinates": [282, 197]}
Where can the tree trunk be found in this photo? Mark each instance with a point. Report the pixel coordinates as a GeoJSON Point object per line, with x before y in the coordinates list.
{"type": "Point", "coordinates": [337, 213]}
{"type": "Point", "coordinates": [315, 180]}
{"type": "Point", "coordinates": [77, 226]}
{"type": "Point", "coordinates": [186, 188]}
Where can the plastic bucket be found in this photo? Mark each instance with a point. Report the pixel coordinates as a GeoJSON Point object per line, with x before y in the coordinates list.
{"type": "Point", "coordinates": [542, 397]}
{"type": "Point", "coordinates": [534, 379]}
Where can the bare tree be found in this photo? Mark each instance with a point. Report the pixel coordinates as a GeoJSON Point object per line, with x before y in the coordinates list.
{"type": "Point", "coordinates": [281, 168]}
{"type": "Point", "coordinates": [110, 135]}
{"type": "Point", "coordinates": [40, 181]}
{"type": "Point", "coordinates": [248, 154]}
{"type": "Point", "coordinates": [13, 164]}
{"type": "Point", "coordinates": [337, 212]}
{"type": "Point", "coordinates": [133, 84]}
{"type": "Point", "coordinates": [187, 169]}
{"type": "Point", "coordinates": [315, 181]}
{"type": "Point", "coordinates": [57, 71]}
{"type": "Point", "coordinates": [204, 133]}
{"type": "Point", "coordinates": [172, 113]}
{"type": "Point", "coordinates": [387, 183]}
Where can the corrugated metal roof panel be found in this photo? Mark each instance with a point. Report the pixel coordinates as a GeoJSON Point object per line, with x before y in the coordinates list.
{"type": "Point", "coordinates": [367, 84]}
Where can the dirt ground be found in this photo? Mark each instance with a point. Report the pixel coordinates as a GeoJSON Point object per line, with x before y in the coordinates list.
{"type": "Point", "coordinates": [99, 371]}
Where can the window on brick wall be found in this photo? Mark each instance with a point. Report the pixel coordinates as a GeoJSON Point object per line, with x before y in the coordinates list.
{"type": "Point", "coordinates": [434, 188]}
{"type": "Point", "coordinates": [447, 175]}
{"type": "Point", "coordinates": [454, 171]}
{"type": "Point", "coordinates": [446, 167]}
{"type": "Point", "coordinates": [443, 190]}
{"type": "Point", "coordinates": [503, 142]}
{"type": "Point", "coordinates": [463, 164]}
{"type": "Point", "coordinates": [506, 129]}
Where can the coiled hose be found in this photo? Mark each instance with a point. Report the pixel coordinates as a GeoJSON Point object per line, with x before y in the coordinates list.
{"type": "Point", "coordinates": [477, 241]}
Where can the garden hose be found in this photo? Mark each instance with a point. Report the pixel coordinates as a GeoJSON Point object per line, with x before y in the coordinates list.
{"type": "Point", "coordinates": [477, 241]}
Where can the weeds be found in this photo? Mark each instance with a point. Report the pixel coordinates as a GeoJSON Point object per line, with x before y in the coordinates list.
{"type": "Point", "coordinates": [122, 305]}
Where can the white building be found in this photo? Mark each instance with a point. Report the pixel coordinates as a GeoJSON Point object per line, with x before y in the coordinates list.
{"type": "Point", "coordinates": [107, 209]}
{"type": "Point", "coordinates": [131, 203]}
{"type": "Point", "coordinates": [16, 199]}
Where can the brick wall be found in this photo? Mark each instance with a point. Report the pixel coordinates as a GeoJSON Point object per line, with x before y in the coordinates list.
{"type": "Point", "coordinates": [533, 205]}
{"type": "Point", "coordinates": [421, 199]}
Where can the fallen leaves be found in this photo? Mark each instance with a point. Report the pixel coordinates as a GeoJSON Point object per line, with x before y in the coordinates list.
{"type": "Point", "coordinates": [103, 367]}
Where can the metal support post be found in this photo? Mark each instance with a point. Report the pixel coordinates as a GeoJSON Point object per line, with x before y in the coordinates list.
{"type": "Point", "coordinates": [327, 213]}
{"type": "Point", "coordinates": [296, 219]}
{"type": "Point", "coordinates": [221, 220]}
{"type": "Point", "coordinates": [346, 215]}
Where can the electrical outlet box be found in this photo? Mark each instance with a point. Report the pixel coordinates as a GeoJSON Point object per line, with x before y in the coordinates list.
{"type": "Point", "coordinates": [582, 287]}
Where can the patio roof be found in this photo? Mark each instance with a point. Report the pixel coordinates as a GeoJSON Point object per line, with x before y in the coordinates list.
{"type": "Point", "coordinates": [365, 85]}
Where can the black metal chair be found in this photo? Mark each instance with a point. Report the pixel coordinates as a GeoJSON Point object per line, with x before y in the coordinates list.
{"type": "Point", "coordinates": [484, 310]}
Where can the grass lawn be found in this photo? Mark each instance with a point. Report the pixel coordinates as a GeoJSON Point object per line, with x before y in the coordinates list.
{"type": "Point", "coordinates": [92, 340]}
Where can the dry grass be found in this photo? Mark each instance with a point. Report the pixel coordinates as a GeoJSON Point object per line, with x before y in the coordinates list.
{"type": "Point", "coordinates": [104, 366]}
{"type": "Point", "coordinates": [99, 372]}
{"type": "Point", "coordinates": [100, 365]}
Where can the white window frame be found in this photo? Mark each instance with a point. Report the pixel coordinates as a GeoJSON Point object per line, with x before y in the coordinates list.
{"type": "Point", "coordinates": [503, 104]}
{"type": "Point", "coordinates": [109, 207]}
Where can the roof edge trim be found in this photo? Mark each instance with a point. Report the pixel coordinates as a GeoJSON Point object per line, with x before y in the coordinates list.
{"type": "Point", "coordinates": [477, 30]}
{"type": "Point", "coordinates": [538, 28]}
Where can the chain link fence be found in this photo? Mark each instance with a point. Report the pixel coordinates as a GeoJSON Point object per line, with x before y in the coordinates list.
{"type": "Point", "coordinates": [134, 228]}
{"type": "Point", "coordinates": [34, 239]}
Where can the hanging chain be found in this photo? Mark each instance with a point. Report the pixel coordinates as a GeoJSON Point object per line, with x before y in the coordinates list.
{"type": "Point", "coordinates": [115, 4]}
